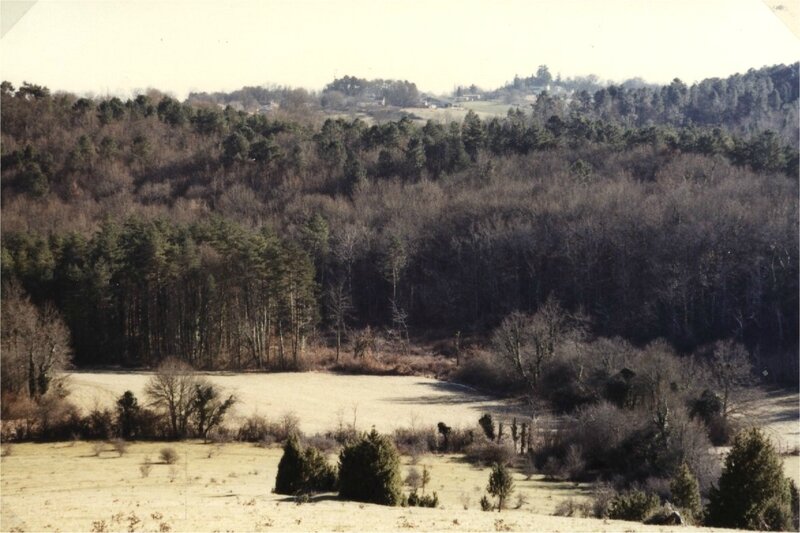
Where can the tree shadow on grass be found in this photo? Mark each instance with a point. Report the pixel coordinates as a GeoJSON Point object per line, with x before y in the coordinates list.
{"type": "Point", "coordinates": [313, 498]}
{"type": "Point", "coordinates": [446, 393]}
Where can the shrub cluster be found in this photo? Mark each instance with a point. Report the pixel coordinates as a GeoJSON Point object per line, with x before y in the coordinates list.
{"type": "Point", "coordinates": [416, 500]}
{"type": "Point", "coordinates": [752, 493]}
{"type": "Point", "coordinates": [641, 413]}
{"type": "Point", "coordinates": [634, 505]}
{"type": "Point", "coordinates": [430, 439]}
{"type": "Point", "coordinates": [259, 429]}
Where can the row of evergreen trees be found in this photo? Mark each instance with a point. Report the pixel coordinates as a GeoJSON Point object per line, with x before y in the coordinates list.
{"type": "Point", "coordinates": [765, 98]}
{"type": "Point", "coordinates": [213, 293]}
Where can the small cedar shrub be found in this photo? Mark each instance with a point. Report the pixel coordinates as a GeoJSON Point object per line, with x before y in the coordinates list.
{"type": "Point", "coordinates": [369, 471]}
{"type": "Point", "coordinates": [685, 491]}
{"type": "Point", "coordinates": [753, 492]}
{"type": "Point", "coordinates": [303, 471]}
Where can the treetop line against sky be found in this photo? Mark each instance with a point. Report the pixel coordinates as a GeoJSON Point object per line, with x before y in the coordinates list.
{"type": "Point", "coordinates": [181, 46]}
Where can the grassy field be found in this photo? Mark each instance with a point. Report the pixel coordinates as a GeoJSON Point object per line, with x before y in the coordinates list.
{"type": "Point", "coordinates": [319, 399]}
{"type": "Point", "coordinates": [65, 487]}
{"type": "Point", "coordinates": [68, 487]}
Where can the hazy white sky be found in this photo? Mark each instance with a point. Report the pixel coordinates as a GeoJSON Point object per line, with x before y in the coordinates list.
{"type": "Point", "coordinates": [180, 46]}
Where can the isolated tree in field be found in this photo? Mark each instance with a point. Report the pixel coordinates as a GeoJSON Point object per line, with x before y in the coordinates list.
{"type": "Point", "coordinates": [487, 425]}
{"type": "Point", "coordinates": [501, 484]}
{"type": "Point", "coordinates": [426, 478]}
{"type": "Point", "coordinates": [209, 407]}
{"type": "Point", "coordinates": [127, 411]}
{"type": "Point", "coordinates": [369, 471]}
{"type": "Point", "coordinates": [753, 492]}
{"type": "Point", "coordinates": [290, 468]}
{"type": "Point", "coordinates": [172, 389]}
{"type": "Point", "coordinates": [527, 342]}
{"type": "Point", "coordinates": [685, 491]}
{"type": "Point", "coordinates": [35, 344]}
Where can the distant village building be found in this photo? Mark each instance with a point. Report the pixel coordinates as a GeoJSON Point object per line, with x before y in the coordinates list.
{"type": "Point", "coordinates": [468, 97]}
{"type": "Point", "coordinates": [435, 103]}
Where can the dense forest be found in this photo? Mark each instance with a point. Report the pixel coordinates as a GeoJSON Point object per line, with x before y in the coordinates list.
{"type": "Point", "coordinates": [744, 104]}
{"type": "Point", "coordinates": [233, 240]}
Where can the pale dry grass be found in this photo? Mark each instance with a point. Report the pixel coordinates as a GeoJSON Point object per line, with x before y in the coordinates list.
{"type": "Point", "coordinates": [49, 487]}
{"type": "Point", "coordinates": [319, 399]}
{"type": "Point", "coordinates": [65, 487]}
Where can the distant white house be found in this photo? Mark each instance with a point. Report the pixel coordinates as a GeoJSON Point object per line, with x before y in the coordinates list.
{"type": "Point", "coordinates": [269, 106]}
{"type": "Point", "coordinates": [468, 98]}
{"type": "Point", "coordinates": [435, 103]}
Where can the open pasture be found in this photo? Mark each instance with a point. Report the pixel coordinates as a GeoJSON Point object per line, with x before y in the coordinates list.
{"type": "Point", "coordinates": [321, 400]}
{"type": "Point", "coordinates": [66, 487]}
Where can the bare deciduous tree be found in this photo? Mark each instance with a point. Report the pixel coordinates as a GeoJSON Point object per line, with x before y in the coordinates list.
{"type": "Point", "coordinates": [172, 388]}
{"type": "Point", "coordinates": [731, 372]}
{"type": "Point", "coordinates": [527, 342]}
{"type": "Point", "coordinates": [35, 344]}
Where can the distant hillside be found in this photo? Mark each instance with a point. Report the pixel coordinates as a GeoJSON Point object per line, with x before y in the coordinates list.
{"type": "Point", "coordinates": [234, 238]}
{"type": "Point", "coordinates": [741, 104]}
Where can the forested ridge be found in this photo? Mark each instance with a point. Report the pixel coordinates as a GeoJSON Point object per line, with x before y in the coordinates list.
{"type": "Point", "coordinates": [744, 104]}
{"type": "Point", "coordinates": [232, 240]}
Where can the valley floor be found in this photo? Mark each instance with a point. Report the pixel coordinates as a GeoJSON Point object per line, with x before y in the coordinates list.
{"type": "Point", "coordinates": [321, 400]}
{"type": "Point", "coordinates": [66, 487]}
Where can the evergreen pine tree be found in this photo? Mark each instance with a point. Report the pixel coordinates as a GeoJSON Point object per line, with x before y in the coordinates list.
{"type": "Point", "coordinates": [686, 491]}
{"type": "Point", "coordinates": [501, 484]}
{"type": "Point", "coordinates": [753, 492]}
{"type": "Point", "coordinates": [290, 469]}
{"type": "Point", "coordinates": [369, 471]}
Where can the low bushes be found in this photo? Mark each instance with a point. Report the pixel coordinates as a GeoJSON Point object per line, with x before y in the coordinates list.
{"type": "Point", "coordinates": [168, 456]}
{"type": "Point", "coordinates": [572, 507]}
{"type": "Point", "coordinates": [416, 441]}
{"type": "Point", "coordinates": [633, 505]}
{"type": "Point", "coordinates": [486, 452]}
{"type": "Point", "coordinates": [415, 500]}
{"type": "Point", "coordinates": [627, 445]}
{"type": "Point", "coordinates": [257, 428]}
{"type": "Point", "coordinates": [429, 439]}
{"type": "Point", "coordinates": [482, 370]}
